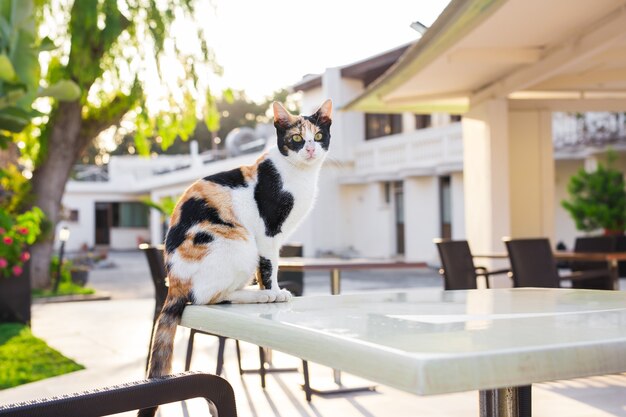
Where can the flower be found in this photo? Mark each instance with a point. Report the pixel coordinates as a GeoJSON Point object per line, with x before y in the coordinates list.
{"type": "Point", "coordinates": [18, 231]}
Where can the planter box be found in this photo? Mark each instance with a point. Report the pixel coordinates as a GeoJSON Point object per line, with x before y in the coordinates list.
{"type": "Point", "coordinates": [80, 276]}
{"type": "Point", "coordinates": [15, 299]}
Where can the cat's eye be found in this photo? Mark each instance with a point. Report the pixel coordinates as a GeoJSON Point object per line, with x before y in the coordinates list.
{"type": "Point", "coordinates": [319, 136]}
{"type": "Point", "coordinates": [296, 138]}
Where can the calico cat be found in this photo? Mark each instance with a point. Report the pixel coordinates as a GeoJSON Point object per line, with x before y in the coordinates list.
{"type": "Point", "coordinates": [229, 225]}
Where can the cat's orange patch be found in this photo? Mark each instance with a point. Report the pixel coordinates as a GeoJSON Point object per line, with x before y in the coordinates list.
{"type": "Point", "coordinates": [190, 252]}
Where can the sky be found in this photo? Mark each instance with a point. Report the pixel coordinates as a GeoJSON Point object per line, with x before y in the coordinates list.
{"type": "Point", "coordinates": [267, 45]}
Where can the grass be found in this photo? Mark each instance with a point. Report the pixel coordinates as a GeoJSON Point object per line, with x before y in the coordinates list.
{"type": "Point", "coordinates": [65, 288]}
{"type": "Point", "coordinates": [25, 358]}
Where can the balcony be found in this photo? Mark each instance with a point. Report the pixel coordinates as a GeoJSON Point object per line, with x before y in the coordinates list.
{"type": "Point", "coordinates": [431, 151]}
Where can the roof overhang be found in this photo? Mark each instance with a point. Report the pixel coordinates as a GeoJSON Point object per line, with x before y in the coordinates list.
{"type": "Point", "coordinates": [560, 54]}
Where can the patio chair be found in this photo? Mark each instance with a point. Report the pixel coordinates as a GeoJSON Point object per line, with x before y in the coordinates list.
{"type": "Point", "coordinates": [533, 264]}
{"type": "Point", "coordinates": [594, 244]}
{"type": "Point", "coordinates": [133, 396]}
{"type": "Point", "coordinates": [159, 279]}
{"type": "Point", "coordinates": [457, 265]}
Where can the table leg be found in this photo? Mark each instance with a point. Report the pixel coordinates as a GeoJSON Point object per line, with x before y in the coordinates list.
{"type": "Point", "coordinates": [614, 272]}
{"type": "Point", "coordinates": [506, 402]}
{"type": "Point", "coordinates": [335, 289]}
{"type": "Point", "coordinates": [335, 281]}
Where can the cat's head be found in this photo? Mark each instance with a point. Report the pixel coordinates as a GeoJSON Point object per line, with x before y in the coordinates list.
{"type": "Point", "coordinates": [303, 140]}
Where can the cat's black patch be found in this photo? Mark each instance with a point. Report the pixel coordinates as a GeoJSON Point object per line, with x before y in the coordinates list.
{"type": "Point", "coordinates": [202, 238]}
{"type": "Point", "coordinates": [274, 203]}
{"type": "Point", "coordinates": [324, 125]}
{"type": "Point", "coordinates": [265, 270]}
{"type": "Point", "coordinates": [174, 308]}
{"type": "Point", "coordinates": [192, 212]}
{"type": "Point", "coordinates": [233, 178]}
{"type": "Point", "coordinates": [284, 142]}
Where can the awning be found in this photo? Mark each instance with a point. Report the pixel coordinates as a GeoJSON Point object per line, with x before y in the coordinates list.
{"type": "Point", "coordinates": [557, 54]}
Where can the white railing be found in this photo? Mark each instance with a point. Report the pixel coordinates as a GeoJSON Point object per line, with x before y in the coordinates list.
{"type": "Point", "coordinates": [421, 149]}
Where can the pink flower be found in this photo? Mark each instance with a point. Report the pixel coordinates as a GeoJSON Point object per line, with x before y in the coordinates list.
{"type": "Point", "coordinates": [7, 240]}
{"type": "Point", "coordinates": [17, 270]}
{"type": "Point", "coordinates": [2, 231]}
{"type": "Point", "coordinates": [24, 256]}
{"type": "Point", "coordinates": [22, 230]}
{"type": "Point", "coordinates": [3, 263]}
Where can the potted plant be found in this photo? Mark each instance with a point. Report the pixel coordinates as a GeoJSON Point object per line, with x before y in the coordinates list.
{"type": "Point", "coordinates": [598, 199]}
{"type": "Point", "coordinates": [16, 233]}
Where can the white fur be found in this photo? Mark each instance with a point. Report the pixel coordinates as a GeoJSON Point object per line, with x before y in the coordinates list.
{"type": "Point", "coordinates": [231, 264]}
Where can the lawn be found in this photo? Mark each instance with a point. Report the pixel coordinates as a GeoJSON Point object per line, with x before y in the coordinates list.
{"type": "Point", "coordinates": [65, 288]}
{"type": "Point", "coordinates": [25, 358]}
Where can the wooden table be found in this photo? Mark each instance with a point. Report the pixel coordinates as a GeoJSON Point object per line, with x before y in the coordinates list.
{"type": "Point", "coordinates": [612, 260]}
{"type": "Point", "coordinates": [434, 342]}
{"type": "Point", "coordinates": [336, 265]}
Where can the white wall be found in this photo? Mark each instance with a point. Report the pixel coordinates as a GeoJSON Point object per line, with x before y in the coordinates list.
{"type": "Point", "coordinates": [83, 231]}
{"type": "Point", "coordinates": [128, 237]}
{"type": "Point", "coordinates": [368, 220]}
{"type": "Point", "coordinates": [421, 216]}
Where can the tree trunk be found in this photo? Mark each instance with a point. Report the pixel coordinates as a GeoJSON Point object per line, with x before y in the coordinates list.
{"type": "Point", "coordinates": [64, 146]}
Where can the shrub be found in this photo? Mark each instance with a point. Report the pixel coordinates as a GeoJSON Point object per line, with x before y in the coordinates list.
{"type": "Point", "coordinates": [16, 233]}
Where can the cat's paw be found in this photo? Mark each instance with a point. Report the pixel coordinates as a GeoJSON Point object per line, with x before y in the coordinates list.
{"type": "Point", "coordinates": [283, 296]}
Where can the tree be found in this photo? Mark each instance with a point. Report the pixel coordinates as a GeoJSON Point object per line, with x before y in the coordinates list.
{"type": "Point", "coordinates": [598, 198]}
{"type": "Point", "coordinates": [115, 50]}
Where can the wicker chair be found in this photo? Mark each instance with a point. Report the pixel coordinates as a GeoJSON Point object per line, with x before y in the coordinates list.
{"type": "Point", "coordinates": [594, 244]}
{"type": "Point", "coordinates": [533, 265]}
{"type": "Point", "coordinates": [145, 394]}
{"type": "Point", "coordinates": [457, 265]}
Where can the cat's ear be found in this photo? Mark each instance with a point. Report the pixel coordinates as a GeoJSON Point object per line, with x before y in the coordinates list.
{"type": "Point", "coordinates": [282, 118]}
{"type": "Point", "coordinates": [324, 114]}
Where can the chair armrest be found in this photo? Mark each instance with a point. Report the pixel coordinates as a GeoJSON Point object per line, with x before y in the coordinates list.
{"type": "Point", "coordinates": [131, 396]}
{"type": "Point", "coordinates": [580, 275]}
{"type": "Point", "coordinates": [481, 270]}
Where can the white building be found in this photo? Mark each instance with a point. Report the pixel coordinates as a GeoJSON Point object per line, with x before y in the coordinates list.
{"type": "Point", "coordinates": [391, 183]}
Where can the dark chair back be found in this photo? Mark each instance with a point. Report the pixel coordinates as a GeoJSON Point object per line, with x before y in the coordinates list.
{"type": "Point", "coordinates": [532, 263]}
{"type": "Point", "coordinates": [291, 280]}
{"type": "Point", "coordinates": [156, 262]}
{"type": "Point", "coordinates": [594, 244]}
{"type": "Point", "coordinates": [457, 263]}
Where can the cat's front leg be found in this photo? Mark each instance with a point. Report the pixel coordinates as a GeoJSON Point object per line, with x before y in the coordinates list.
{"type": "Point", "coordinates": [268, 276]}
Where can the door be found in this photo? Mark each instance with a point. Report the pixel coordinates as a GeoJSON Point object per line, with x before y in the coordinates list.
{"type": "Point", "coordinates": [103, 223]}
{"type": "Point", "coordinates": [398, 198]}
{"type": "Point", "coordinates": [445, 207]}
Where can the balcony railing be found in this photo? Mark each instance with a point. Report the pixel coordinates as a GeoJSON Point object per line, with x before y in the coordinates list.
{"type": "Point", "coordinates": [577, 131]}
{"type": "Point", "coordinates": [426, 149]}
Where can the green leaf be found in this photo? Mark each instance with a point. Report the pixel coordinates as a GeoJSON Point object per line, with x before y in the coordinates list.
{"type": "Point", "coordinates": [211, 115]}
{"type": "Point", "coordinates": [64, 90]}
{"type": "Point", "coordinates": [47, 44]}
{"type": "Point", "coordinates": [14, 119]}
{"type": "Point", "coordinates": [228, 96]}
{"type": "Point", "coordinates": [7, 72]}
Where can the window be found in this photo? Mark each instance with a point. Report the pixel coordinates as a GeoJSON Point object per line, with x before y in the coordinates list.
{"type": "Point", "coordinates": [129, 214]}
{"type": "Point", "coordinates": [455, 118]}
{"type": "Point", "coordinates": [378, 125]}
{"type": "Point", "coordinates": [73, 215]}
{"type": "Point", "coordinates": [422, 121]}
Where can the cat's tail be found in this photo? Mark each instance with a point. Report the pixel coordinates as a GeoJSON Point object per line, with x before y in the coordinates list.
{"type": "Point", "coordinates": [162, 348]}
